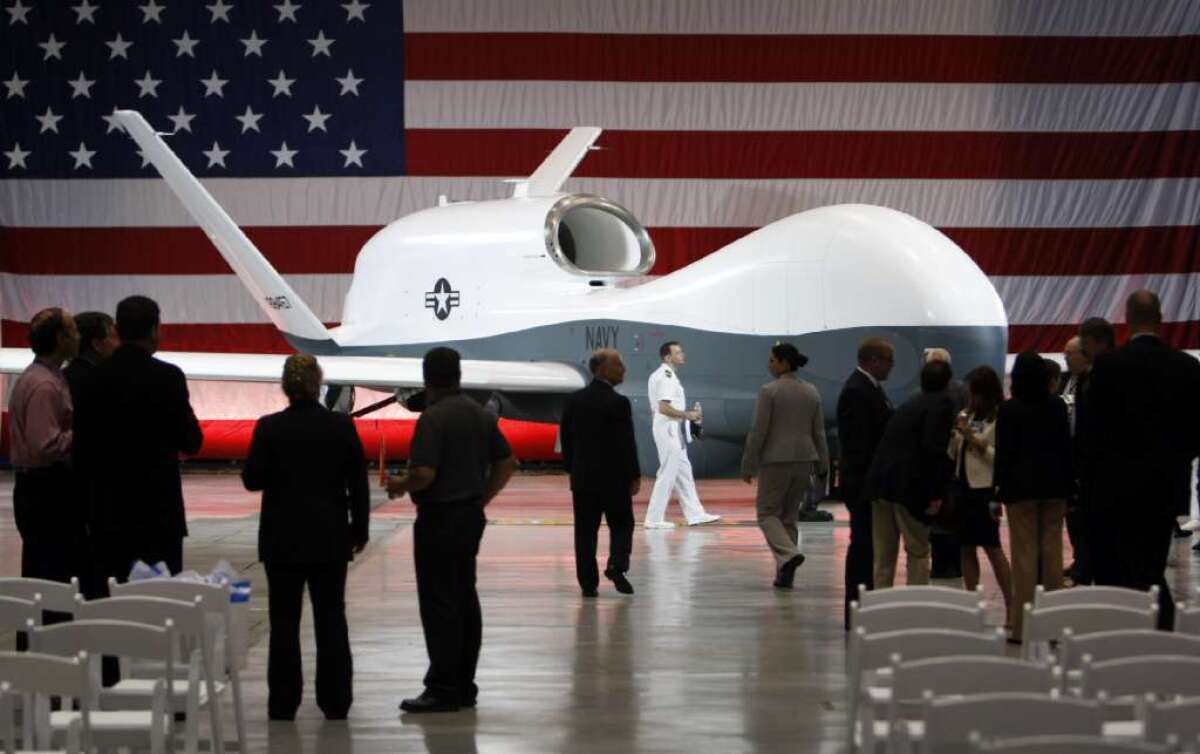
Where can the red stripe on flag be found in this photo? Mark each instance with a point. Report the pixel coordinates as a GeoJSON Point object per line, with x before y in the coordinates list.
{"type": "Point", "coordinates": [173, 251]}
{"type": "Point", "coordinates": [1052, 338]}
{"type": "Point", "coordinates": [320, 250]}
{"type": "Point", "coordinates": [770, 58]}
{"type": "Point", "coordinates": [816, 154]}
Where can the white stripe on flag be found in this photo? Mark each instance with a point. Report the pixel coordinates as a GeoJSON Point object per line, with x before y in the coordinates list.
{"type": "Point", "coordinates": [801, 107]}
{"type": "Point", "coordinates": [656, 202]}
{"type": "Point", "coordinates": [984, 17]}
{"type": "Point", "coordinates": [1064, 299]}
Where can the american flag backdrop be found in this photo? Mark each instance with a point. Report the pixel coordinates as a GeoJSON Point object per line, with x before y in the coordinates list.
{"type": "Point", "coordinates": [1056, 142]}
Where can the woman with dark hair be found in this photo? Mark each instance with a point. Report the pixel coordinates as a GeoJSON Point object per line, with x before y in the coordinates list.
{"type": "Point", "coordinates": [1033, 478]}
{"type": "Point", "coordinates": [973, 449]}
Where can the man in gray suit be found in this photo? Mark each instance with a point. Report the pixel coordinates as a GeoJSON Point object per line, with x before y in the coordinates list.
{"type": "Point", "coordinates": [786, 443]}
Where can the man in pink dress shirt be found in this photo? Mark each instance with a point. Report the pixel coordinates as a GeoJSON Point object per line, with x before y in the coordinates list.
{"type": "Point", "coordinates": [41, 413]}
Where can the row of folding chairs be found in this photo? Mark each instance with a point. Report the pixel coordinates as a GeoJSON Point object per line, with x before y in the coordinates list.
{"type": "Point", "coordinates": [197, 673]}
{"type": "Point", "coordinates": [919, 623]}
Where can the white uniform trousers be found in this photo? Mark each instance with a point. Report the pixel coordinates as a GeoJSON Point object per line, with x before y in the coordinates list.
{"type": "Point", "coordinates": [674, 476]}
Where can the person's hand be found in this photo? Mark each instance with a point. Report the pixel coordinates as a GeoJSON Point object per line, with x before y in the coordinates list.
{"type": "Point", "coordinates": [693, 416]}
{"type": "Point", "coordinates": [996, 510]}
{"type": "Point", "coordinates": [397, 486]}
{"type": "Point", "coordinates": [358, 547]}
{"type": "Point", "coordinates": [635, 486]}
{"type": "Point", "coordinates": [961, 423]}
{"type": "Point", "coordinates": [934, 507]}
{"type": "Point", "coordinates": [748, 478]}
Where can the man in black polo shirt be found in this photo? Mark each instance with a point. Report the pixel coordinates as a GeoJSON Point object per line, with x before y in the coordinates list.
{"type": "Point", "coordinates": [458, 462]}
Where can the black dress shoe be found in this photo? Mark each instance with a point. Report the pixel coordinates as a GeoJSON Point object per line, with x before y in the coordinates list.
{"type": "Point", "coordinates": [281, 717]}
{"type": "Point", "coordinates": [589, 592]}
{"type": "Point", "coordinates": [814, 516]}
{"type": "Point", "coordinates": [787, 572]}
{"type": "Point", "coordinates": [468, 703]}
{"type": "Point", "coordinates": [1196, 547]}
{"type": "Point", "coordinates": [1181, 533]}
{"type": "Point", "coordinates": [426, 702]}
{"type": "Point", "coordinates": [619, 581]}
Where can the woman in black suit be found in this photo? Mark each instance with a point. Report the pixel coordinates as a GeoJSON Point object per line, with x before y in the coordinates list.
{"type": "Point", "coordinates": [1033, 477]}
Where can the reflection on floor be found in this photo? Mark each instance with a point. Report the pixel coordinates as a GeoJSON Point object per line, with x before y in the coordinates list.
{"type": "Point", "coordinates": [706, 657]}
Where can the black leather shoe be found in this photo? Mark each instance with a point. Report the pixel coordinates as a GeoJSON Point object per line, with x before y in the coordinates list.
{"type": "Point", "coordinates": [619, 581]}
{"type": "Point", "coordinates": [787, 572]}
{"type": "Point", "coordinates": [589, 592]}
{"type": "Point", "coordinates": [468, 703]}
{"type": "Point", "coordinates": [282, 717]}
{"type": "Point", "coordinates": [429, 703]}
{"type": "Point", "coordinates": [1181, 533]}
{"type": "Point", "coordinates": [1196, 547]}
{"type": "Point", "coordinates": [814, 516]}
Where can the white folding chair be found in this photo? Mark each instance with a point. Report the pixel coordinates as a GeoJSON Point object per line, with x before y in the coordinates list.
{"type": "Point", "coordinates": [904, 616]}
{"type": "Point", "coordinates": [1123, 687]}
{"type": "Point", "coordinates": [55, 595]}
{"type": "Point", "coordinates": [215, 599]}
{"type": "Point", "coordinates": [20, 615]}
{"type": "Point", "coordinates": [1177, 721]}
{"type": "Point", "coordinates": [34, 678]}
{"type": "Point", "coordinates": [870, 657]}
{"type": "Point", "coordinates": [150, 728]}
{"type": "Point", "coordinates": [942, 595]}
{"type": "Point", "coordinates": [1115, 645]}
{"type": "Point", "coordinates": [949, 676]}
{"type": "Point", "coordinates": [197, 688]}
{"type": "Point", "coordinates": [1046, 624]}
{"type": "Point", "coordinates": [1096, 595]}
{"type": "Point", "coordinates": [1187, 618]}
{"type": "Point", "coordinates": [1063, 745]}
{"type": "Point", "coordinates": [951, 720]}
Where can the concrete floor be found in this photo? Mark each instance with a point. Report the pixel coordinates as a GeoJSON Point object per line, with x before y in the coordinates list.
{"type": "Point", "coordinates": [706, 657]}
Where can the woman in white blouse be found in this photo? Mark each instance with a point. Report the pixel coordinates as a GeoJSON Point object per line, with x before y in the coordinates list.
{"type": "Point", "coordinates": [973, 448]}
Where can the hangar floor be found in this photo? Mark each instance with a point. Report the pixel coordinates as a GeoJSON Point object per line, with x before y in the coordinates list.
{"type": "Point", "coordinates": [706, 657]}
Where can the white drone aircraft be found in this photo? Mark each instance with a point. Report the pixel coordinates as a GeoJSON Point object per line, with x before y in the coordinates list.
{"type": "Point", "coordinates": [525, 288]}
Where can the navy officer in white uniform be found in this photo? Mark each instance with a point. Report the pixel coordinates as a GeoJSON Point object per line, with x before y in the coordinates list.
{"type": "Point", "coordinates": [672, 432]}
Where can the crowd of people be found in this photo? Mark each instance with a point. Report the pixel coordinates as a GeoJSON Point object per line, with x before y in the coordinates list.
{"type": "Point", "coordinates": [1108, 450]}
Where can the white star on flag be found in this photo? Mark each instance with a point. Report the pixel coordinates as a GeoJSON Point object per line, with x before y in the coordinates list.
{"type": "Point", "coordinates": [152, 11]}
{"type": "Point", "coordinates": [282, 84]}
{"type": "Point", "coordinates": [16, 157]}
{"type": "Point", "coordinates": [81, 87]}
{"type": "Point", "coordinates": [321, 45]}
{"type": "Point", "coordinates": [287, 11]}
{"type": "Point", "coordinates": [355, 9]}
{"type": "Point", "coordinates": [113, 123]}
{"type": "Point", "coordinates": [214, 85]}
{"type": "Point", "coordinates": [49, 121]}
{"type": "Point", "coordinates": [182, 120]}
{"type": "Point", "coordinates": [353, 155]}
{"type": "Point", "coordinates": [17, 13]}
{"type": "Point", "coordinates": [349, 83]}
{"type": "Point", "coordinates": [16, 86]}
{"type": "Point", "coordinates": [83, 156]}
{"type": "Point", "coordinates": [149, 86]}
{"type": "Point", "coordinates": [219, 10]}
{"type": "Point", "coordinates": [52, 47]}
{"type": "Point", "coordinates": [254, 45]}
{"type": "Point", "coordinates": [185, 45]}
{"type": "Point", "coordinates": [85, 12]}
{"type": "Point", "coordinates": [283, 155]}
{"type": "Point", "coordinates": [316, 119]}
{"type": "Point", "coordinates": [249, 120]}
{"type": "Point", "coordinates": [119, 48]}
{"type": "Point", "coordinates": [216, 155]}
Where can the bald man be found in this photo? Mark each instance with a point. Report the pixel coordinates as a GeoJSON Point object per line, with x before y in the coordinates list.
{"type": "Point", "coordinates": [1143, 405]}
{"type": "Point", "coordinates": [600, 453]}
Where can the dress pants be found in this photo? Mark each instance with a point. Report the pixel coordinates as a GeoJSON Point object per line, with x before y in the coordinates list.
{"type": "Point", "coordinates": [1078, 532]}
{"type": "Point", "coordinates": [616, 506]}
{"type": "Point", "coordinates": [52, 536]}
{"type": "Point", "coordinates": [446, 540]}
{"type": "Point", "coordinates": [781, 491]}
{"type": "Point", "coordinates": [1131, 550]}
{"type": "Point", "coordinates": [889, 522]}
{"type": "Point", "coordinates": [674, 476]}
{"type": "Point", "coordinates": [335, 670]}
{"type": "Point", "coordinates": [1035, 532]}
{"type": "Point", "coordinates": [860, 565]}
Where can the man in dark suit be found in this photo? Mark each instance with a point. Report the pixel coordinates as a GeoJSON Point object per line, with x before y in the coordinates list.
{"type": "Point", "coordinates": [909, 475]}
{"type": "Point", "coordinates": [309, 464]}
{"type": "Point", "coordinates": [135, 420]}
{"type": "Point", "coordinates": [863, 411]}
{"type": "Point", "coordinates": [600, 452]}
{"type": "Point", "coordinates": [1144, 408]}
